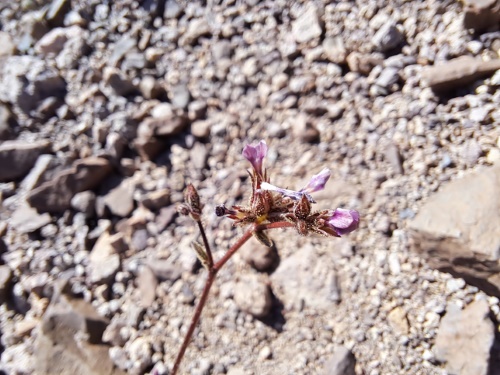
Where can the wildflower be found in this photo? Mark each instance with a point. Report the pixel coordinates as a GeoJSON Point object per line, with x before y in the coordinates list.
{"type": "Point", "coordinates": [342, 221]}
{"type": "Point", "coordinates": [316, 183]}
{"type": "Point", "coordinates": [255, 155]}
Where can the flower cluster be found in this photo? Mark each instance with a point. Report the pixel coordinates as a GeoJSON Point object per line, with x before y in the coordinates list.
{"type": "Point", "coordinates": [269, 203]}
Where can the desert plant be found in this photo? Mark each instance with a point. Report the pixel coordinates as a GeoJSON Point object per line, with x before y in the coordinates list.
{"type": "Point", "coordinates": [269, 207]}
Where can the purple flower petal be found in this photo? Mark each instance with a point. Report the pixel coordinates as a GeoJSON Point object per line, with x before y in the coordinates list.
{"type": "Point", "coordinates": [317, 181]}
{"type": "Point", "coordinates": [295, 195]}
{"type": "Point", "coordinates": [255, 155]}
{"type": "Point", "coordinates": [343, 221]}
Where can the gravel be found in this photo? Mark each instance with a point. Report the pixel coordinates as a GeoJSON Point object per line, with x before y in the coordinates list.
{"type": "Point", "coordinates": [108, 111]}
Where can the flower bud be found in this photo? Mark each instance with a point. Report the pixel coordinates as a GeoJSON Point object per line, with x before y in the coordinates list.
{"type": "Point", "coordinates": [192, 202]}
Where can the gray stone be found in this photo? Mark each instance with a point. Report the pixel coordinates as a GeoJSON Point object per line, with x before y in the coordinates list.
{"type": "Point", "coordinates": [457, 73]}
{"type": "Point", "coordinates": [69, 340]}
{"type": "Point", "coordinates": [57, 11]}
{"type": "Point", "coordinates": [342, 362]}
{"type": "Point", "coordinates": [105, 259]}
{"type": "Point", "coordinates": [26, 220]}
{"type": "Point", "coordinates": [335, 50]}
{"type": "Point", "coordinates": [7, 46]}
{"type": "Point", "coordinates": [146, 285]}
{"type": "Point", "coordinates": [468, 331]}
{"type": "Point", "coordinates": [120, 200]}
{"type": "Point", "coordinates": [5, 279]}
{"type": "Point", "coordinates": [306, 278]}
{"type": "Point", "coordinates": [458, 229]}
{"type": "Point", "coordinates": [198, 155]}
{"type": "Point", "coordinates": [308, 25]}
{"type": "Point", "coordinates": [120, 49]}
{"type": "Point", "coordinates": [253, 295]}
{"type": "Point", "coordinates": [165, 270]}
{"type": "Point", "coordinates": [480, 15]}
{"type": "Point", "coordinates": [172, 9]}
{"type": "Point", "coordinates": [388, 77]}
{"type": "Point", "coordinates": [120, 84]}
{"type": "Point", "coordinates": [7, 122]}
{"type": "Point", "coordinates": [84, 202]}
{"type": "Point", "coordinates": [18, 157]}
{"type": "Point", "coordinates": [55, 195]}
{"type": "Point", "coordinates": [197, 28]}
{"type": "Point", "coordinates": [52, 42]}
{"type": "Point", "coordinates": [387, 38]}
{"type": "Point", "coordinates": [393, 157]}
{"type": "Point", "coordinates": [157, 199]}
{"type": "Point", "coordinates": [180, 96]}
{"type": "Point", "coordinates": [260, 257]}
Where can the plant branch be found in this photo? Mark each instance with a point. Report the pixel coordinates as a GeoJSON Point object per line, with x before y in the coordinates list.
{"type": "Point", "coordinates": [212, 273]}
{"type": "Point", "coordinates": [194, 320]}
{"type": "Point", "coordinates": [207, 245]}
{"type": "Point", "coordinates": [218, 265]}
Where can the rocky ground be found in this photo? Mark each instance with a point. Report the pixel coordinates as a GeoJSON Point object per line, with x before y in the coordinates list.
{"type": "Point", "coordinates": [109, 108]}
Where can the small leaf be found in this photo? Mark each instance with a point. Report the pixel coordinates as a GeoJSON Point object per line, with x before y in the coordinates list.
{"type": "Point", "coordinates": [263, 238]}
{"type": "Point", "coordinates": [201, 253]}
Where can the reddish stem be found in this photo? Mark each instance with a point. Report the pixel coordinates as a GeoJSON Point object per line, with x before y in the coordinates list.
{"type": "Point", "coordinates": [212, 273]}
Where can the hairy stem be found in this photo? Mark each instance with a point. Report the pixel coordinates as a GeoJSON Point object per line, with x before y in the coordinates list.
{"type": "Point", "coordinates": [194, 320]}
{"type": "Point", "coordinates": [212, 273]}
{"type": "Point", "coordinates": [207, 245]}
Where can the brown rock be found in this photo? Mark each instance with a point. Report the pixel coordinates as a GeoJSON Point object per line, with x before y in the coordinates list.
{"type": "Point", "coordinates": [25, 219]}
{"type": "Point", "coordinates": [120, 200]}
{"type": "Point", "coordinates": [342, 362]}
{"type": "Point", "coordinates": [156, 199]}
{"type": "Point", "coordinates": [105, 259]}
{"type": "Point", "coordinates": [260, 257]}
{"type": "Point", "coordinates": [458, 73]}
{"type": "Point", "coordinates": [55, 195]}
{"type": "Point", "coordinates": [335, 50]}
{"type": "Point", "coordinates": [149, 142]}
{"type": "Point", "coordinates": [458, 229]}
{"type": "Point", "coordinates": [69, 340]}
{"type": "Point", "coordinates": [468, 331]}
{"type": "Point", "coordinates": [306, 278]}
{"type": "Point", "coordinates": [253, 295]}
{"type": "Point", "coordinates": [363, 63]}
{"type": "Point", "coordinates": [480, 15]}
{"type": "Point", "coordinates": [308, 25]}
{"type": "Point", "coordinates": [146, 284]}
{"type": "Point", "coordinates": [304, 129]}
{"type": "Point", "coordinates": [18, 157]}
{"type": "Point", "coordinates": [5, 279]}
{"type": "Point", "coordinates": [7, 122]}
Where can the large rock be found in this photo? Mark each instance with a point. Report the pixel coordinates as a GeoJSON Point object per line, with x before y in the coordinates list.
{"type": "Point", "coordinates": [18, 157]}
{"type": "Point", "coordinates": [69, 340]}
{"type": "Point", "coordinates": [480, 15]}
{"type": "Point", "coordinates": [308, 25]}
{"type": "Point", "coordinates": [55, 195]}
{"type": "Point", "coordinates": [342, 362]}
{"type": "Point", "coordinates": [26, 81]}
{"type": "Point", "coordinates": [306, 278]}
{"type": "Point", "coordinates": [458, 229]}
{"type": "Point", "coordinates": [105, 259]}
{"type": "Point", "coordinates": [7, 122]}
{"type": "Point", "coordinates": [469, 331]}
{"type": "Point", "coordinates": [457, 73]}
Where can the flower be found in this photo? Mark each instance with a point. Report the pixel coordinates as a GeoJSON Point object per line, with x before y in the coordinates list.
{"type": "Point", "coordinates": [342, 221]}
{"type": "Point", "coordinates": [317, 183]}
{"type": "Point", "coordinates": [255, 155]}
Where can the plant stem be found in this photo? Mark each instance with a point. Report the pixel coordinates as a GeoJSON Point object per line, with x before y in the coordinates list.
{"type": "Point", "coordinates": [212, 273]}
{"type": "Point", "coordinates": [194, 320]}
{"type": "Point", "coordinates": [207, 245]}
